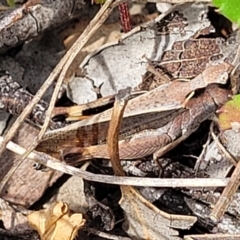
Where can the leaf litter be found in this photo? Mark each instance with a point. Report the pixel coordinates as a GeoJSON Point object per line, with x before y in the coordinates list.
{"type": "Point", "coordinates": [174, 45]}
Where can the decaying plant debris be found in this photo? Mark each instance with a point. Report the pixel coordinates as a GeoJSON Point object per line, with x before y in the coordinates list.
{"type": "Point", "coordinates": [135, 124]}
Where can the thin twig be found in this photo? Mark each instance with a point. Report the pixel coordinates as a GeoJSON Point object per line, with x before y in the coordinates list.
{"type": "Point", "coordinates": [231, 188]}
{"type": "Point", "coordinates": [234, 77]}
{"type": "Point", "coordinates": [105, 235]}
{"type": "Point", "coordinates": [125, 17]}
{"type": "Point", "coordinates": [203, 153]}
{"type": "Point", "coordinates": [227, 195]}
{"type": "Point", "coordinates": [222, 148]}
{"type": "Point", "coordinates": [4, 8]}
{"type": "Point", "coordinates": [114, 129]}
{"type": "Point", "coordinates": [55, 164]}
{"type": "Point", "coordinates": [209, 236]}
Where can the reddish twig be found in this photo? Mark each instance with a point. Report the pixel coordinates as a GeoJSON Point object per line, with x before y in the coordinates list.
{"type": "Point", "coordinates": [125, 17]}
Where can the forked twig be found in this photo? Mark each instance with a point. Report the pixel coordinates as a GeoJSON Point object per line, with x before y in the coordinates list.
{"type": "Point", "coordinates": [61, 69]}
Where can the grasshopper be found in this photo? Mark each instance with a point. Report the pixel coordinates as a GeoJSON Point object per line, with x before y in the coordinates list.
{"type": "Point", "coordinates": [144, 119]}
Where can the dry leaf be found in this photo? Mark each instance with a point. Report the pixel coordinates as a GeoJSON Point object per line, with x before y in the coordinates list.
{"type": "Point", "coordinates": [145, 221]}
{"type": "Point", "coordinates": [109, 68]}
{"type": "Point", "coordinates": [56, 223]}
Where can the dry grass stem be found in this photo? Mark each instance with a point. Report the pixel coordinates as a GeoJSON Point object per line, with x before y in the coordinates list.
{"type": "Point", "coordinates": [55, 164]}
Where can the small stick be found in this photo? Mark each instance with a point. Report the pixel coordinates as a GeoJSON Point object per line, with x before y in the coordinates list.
{"type": "Point", "coordinates": [231, 188]}
{"type": "Point", "coordinates": [217, 236]}
{"type": "Point", "coordinates": [202, 155]}
{"type": "Point", "coordinates": [125, 16]}
{"type": "Point", "coordinates": [222, 148]}
{"type": "Point", "coordinates": [55, 164]}
{"type": "Point", "coordinates": [227, 195]}
{"type": "Point", "coordinates": [105, 235]}
{"type": "Point", "coordinates": [114, 129]}
{"type": "Point", "coordinates": [161, 75]}
{"type": "Point", "coordinates": [234, 77]}
{"type": "Point", "coordinates": [14, 99]}
{"type": "Point", "coordinates": [4, 8]}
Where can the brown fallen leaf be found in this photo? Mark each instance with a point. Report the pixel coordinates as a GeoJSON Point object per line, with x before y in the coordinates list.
{"type": "Point", "coordinates": [56, 223]}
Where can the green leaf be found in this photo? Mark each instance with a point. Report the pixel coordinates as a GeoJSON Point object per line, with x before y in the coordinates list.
{"type": "Point", "coordinates": [229, 113]}
{"type": "Point", "coordinates": [11, 3]}
{"type": "Point", "coordinates": [99, 1]}
{"type": "Point", "coordinates": [229, 8]}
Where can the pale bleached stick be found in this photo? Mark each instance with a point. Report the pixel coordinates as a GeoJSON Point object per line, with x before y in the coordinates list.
{"type": "Point", "coordinates": [105, 235]}
{"type": "Point", "coordinates": [55, 164]}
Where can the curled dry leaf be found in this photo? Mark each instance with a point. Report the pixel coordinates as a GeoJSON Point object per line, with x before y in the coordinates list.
{"type": "Point", "coordinates": [56, 222]}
